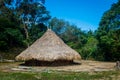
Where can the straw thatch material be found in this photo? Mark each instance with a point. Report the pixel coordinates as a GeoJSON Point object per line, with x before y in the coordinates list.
{"type": "Point", "coordinates": [49, 48]}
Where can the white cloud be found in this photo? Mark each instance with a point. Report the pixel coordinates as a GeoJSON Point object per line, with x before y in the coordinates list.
{"type": "Point", "coordinates": [83, 25]}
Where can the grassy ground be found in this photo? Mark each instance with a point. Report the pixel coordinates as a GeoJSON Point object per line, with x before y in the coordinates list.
{"type": "Point", "coordinates": [109, 75]}
{"type": "Point", "coordinates": [56, 73]}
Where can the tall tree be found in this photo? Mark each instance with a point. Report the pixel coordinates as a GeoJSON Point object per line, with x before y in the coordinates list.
{"type": "Point", "coordinates": [10, 34]}
{"type": "Point", "coordinates": [88, 51]}
{"type": "Point", "coordinates": [108, 33]}
{"type": "Point", "coordinates": [29, 12]}
{"type": "Point", "coordinates": [10, 31]}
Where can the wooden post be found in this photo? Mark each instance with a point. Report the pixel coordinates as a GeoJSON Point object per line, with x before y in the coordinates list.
{"type": "Point", "coordinates": [118, 64]}
{"type": "Point", "coordinates": [1, 59]}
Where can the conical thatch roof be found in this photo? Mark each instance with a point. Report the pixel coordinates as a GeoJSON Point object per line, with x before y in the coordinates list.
{"type": "Point", "coordinates": [49, 48]}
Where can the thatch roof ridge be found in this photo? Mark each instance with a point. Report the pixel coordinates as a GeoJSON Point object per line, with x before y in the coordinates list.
{"type": "Point", "coordinates": [49, 48]}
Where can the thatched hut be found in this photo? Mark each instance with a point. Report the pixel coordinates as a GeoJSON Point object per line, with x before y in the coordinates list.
{"type": "Point", "coordinates": [48, 50]}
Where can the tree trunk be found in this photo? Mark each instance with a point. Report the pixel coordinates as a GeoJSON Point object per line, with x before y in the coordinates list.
{"type": "Point", "coordinates": [26, 34]}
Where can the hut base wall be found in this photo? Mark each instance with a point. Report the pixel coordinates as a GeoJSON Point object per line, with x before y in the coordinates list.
{"type": "Point", "coordinates": [48, 63]}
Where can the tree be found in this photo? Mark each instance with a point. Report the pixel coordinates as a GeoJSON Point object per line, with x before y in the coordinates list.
{"type": "Point", "coordinates": [108, 34]}
{"type": "Point", "coordinates": [26, 15]}
{"type": "Point", "coordinates": [10, 34]}
{"type": "Point", "coordinates": [29, 12]}
{"type": "Point", "coordinates": [37, 31]}
{"type": "Point", "coordinates": [88, 51]}
{"type": "Point", "coordinates": [21, 23]}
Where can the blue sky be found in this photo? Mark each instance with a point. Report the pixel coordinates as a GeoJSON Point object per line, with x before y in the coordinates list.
{"type": "Point", "coordinates": [86, 14]}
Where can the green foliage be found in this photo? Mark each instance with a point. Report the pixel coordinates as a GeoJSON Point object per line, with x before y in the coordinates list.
{"type": "Point", "coordinates": [24, 19]}
{"type": "Point", "coordinates": [37, 31]}
{"type": "Point", "coordinates": [26, 15]}
{"type": "Point", "coordinates": [89, 49]}
{"type": "Point", "coordinates": [10, 34]}
{"type": "Point", "coordinates": [32, 12]}
{"type": "Point", "coordinates": [108, 34]}
{"type": "Point", "coordinates": [11, 53]}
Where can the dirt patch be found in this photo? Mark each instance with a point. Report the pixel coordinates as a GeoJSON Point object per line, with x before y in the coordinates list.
{"type": "Point", "coordinates": [86, 65]}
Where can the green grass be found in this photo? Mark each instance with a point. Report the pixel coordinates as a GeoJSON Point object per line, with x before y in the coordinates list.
{"type": "Point", "coordinates": [17, 76]}
{"type": "Point", "coordinates": [109, 75]}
